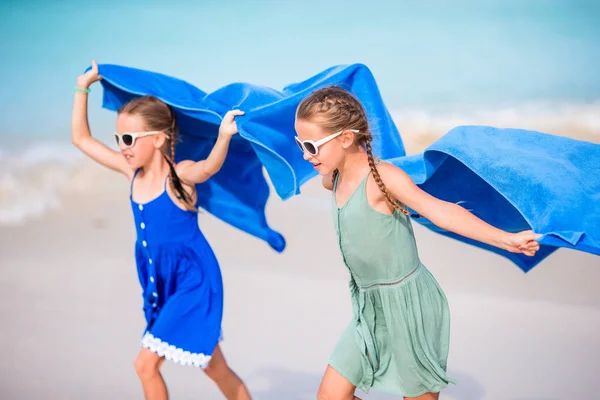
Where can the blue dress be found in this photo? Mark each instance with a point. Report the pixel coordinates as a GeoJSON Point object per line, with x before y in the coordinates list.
{"type": "Point", "coordinates": [181, 282]}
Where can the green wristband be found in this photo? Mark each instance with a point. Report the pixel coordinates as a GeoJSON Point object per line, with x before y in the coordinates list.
{"type": "Point", "coordinates": [78, 89]}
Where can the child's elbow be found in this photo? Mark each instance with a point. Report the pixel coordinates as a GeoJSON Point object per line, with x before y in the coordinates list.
{"type": "Point", "coordinates": [77, 142]}
{"type": "Point", "coordinates": [209, 172]}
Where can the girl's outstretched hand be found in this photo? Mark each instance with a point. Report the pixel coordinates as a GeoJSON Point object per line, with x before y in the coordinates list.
{"type": "Point", "coordinates": [91, 76]}
{"type": "Point", "coordinates": [228, 126]}
{"type": "Point", "coordinates": [523, 242]}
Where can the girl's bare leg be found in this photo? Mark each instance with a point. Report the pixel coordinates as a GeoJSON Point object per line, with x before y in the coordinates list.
{"type": "Point", "coordinates": [230, 384]}
{"type": "Point", "coordinates": [426, 396]}
{"type": "Point", "coordinates": [147, 366]}
{"type": "Point", "coordinates": [335, 387]}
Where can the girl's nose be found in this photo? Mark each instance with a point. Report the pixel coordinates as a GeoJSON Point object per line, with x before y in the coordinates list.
{"type": "Point", "coordinates": [307, 156]}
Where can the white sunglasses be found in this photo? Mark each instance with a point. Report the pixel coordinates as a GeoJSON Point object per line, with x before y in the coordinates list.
{"type": "Point", "coordinates": [312, 147]}
{"type": "Point", "coordinates": [128, 138]}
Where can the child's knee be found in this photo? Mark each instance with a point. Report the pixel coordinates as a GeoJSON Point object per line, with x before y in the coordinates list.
{"type": "Point", "coordinates": [145, 368]}
{"type": "Point", "coordinates": [324, 394]}
{"type": "Point", "coordinates": [217, 372]}
{"type": "Point", "coordinates": [330, 393]}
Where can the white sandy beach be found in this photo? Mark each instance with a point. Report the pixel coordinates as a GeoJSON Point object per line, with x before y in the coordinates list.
{"type": "Point", "coordinates": [70, 307]}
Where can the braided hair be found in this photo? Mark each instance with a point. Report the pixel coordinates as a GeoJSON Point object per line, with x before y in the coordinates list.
{"type": "Point", "coordinates": [336, 109]}
{"type": "Point", "coordinates": [159, 116]}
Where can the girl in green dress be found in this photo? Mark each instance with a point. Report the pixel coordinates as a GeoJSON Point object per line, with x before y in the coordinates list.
{"type": "Point", "coordinates": [398, 338]}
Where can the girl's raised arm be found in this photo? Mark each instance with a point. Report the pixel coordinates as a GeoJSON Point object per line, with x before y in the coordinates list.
{"type": "Point", "coordinates": [192, 172]}
{"type": "Point", "coordinates": [80, 130]}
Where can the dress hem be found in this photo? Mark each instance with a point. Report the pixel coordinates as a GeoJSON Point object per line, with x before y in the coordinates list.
{"type": "Point", "coordinates": [175, 354]}
{"type": "Point", "coordinates": [366, 390]}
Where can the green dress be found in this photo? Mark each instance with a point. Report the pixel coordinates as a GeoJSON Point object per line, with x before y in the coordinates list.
{"type": "Point", "coordinates": [398, 339]}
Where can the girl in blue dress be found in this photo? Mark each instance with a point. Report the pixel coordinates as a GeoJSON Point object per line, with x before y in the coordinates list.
{"type": "Point", "coordinates": [177, 269]}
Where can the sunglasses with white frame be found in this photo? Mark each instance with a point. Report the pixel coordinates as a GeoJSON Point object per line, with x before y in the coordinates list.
{"type": "Point", "coordinates": [311, 147]}
{"type": "Point", "coordinates": [128, 138]}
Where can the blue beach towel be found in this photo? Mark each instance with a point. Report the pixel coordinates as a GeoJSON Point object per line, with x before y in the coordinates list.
{"type": "Point", "coordinates": [514, 179]}
{"type": "Point", "coordinates": [238, 193]}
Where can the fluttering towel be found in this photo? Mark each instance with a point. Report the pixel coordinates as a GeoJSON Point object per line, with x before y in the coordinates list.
{"type": "Point", "coordinates": [514, 179]}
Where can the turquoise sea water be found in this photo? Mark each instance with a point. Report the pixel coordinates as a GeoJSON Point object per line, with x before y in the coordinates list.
{"type": "Point", "coordinates": [424, 54]}
{"type": "Point", "coordinates": [428, 57]}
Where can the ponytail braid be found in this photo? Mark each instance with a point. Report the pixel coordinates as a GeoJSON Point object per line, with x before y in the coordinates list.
{"type": "Point", "coordinates": [336, 109]}
{"type": "Point", "coordinates": [388, 197]}
{"type": "Point", "coordinates": [157, 115]}
{"type": "Point", "coordinates": [176, 183]}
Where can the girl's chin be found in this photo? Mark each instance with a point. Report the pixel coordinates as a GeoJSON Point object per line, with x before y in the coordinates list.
{"type": "Point", "coordinates": [321, 169]}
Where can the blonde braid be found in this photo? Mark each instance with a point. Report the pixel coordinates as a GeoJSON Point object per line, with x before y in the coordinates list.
{"type": "Point", "coordinates": [176, 185]}
{"type": "Point", "coordinates": [157, 115]}
{"type": "Point", "coordinates": [335, 109]}
{"type": "Point", "coordinates": [378, 179]}
{"type": "Point", "coordinates": [172, 140]}
{"type": "Point", "coordinates": [171, 132]}
{"type": "Point", "coordinates": [334, 176]}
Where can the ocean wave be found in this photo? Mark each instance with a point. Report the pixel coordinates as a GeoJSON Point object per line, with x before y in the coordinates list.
{"type": "Point", "coordinates": [41, 175]}
{"type": "Point", "coordinates": [34, 179]}
{"type": "Point", "coordinates": [420, 128]}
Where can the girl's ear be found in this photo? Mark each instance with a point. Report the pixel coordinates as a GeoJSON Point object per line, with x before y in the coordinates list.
{"type": "Point", "coordinates": [159, 140]}
{"type": "Point", "coordinates": [348, 138]}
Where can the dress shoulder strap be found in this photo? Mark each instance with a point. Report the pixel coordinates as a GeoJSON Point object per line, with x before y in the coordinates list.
{"type": "Point", "coordinates": [133, 179]}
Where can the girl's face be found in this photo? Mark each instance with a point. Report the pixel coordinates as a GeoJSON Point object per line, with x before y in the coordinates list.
{"type": "Point", "coordinates": [331, 151]}
{"type": "Point", "coordinates": [137, 144]}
